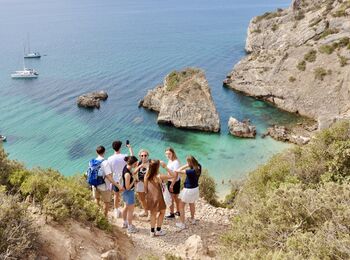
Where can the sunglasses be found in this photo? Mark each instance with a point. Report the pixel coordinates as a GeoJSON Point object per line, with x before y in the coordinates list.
{"type": "Point", "coordinates": [144, 155]}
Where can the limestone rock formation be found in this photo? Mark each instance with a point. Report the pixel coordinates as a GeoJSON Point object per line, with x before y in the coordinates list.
{"type": "Point", "coordinates": [299, 60]}
{"type": "Point", "coordinates": [92, 100]}
{"type": "Point", "coordinates": [184, 100]}
{"type": "Point", "coordinates": [241, 129]}
{"type": "Point", "coordinates": [195, 249]}
{"type": "Point", "coordinates": [284, 134]}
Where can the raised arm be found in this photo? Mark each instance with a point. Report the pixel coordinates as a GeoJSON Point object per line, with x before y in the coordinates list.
{"type": "Point", "coordinates": [131, 151]}
{"type": "Point", "coordinates": [182, 169]}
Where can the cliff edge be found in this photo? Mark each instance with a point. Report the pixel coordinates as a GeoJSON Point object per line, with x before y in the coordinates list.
{"type": "Point", "coordinates": [298, 59]}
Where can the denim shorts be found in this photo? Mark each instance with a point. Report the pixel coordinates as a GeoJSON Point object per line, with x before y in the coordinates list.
{"type": "Point", "coordinates": [129, 197]}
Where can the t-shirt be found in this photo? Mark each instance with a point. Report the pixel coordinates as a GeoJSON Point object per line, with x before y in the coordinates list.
{"type": "Point", "coordinates": [142, 172]}
{"type": "Point", "coordinates": [104, 170]}
{"type": "Point", "coordinates": [192, 178]}
{"type": "Point", "coordinates": [117, 164]}
{"type": "Point", "coordinates": [125, 171]}
{"type": "Point", "coordinates": [174, 165]}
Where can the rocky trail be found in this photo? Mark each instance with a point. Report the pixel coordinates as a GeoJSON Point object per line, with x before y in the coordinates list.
{"type": "Point", "coordinates": [210, 225]}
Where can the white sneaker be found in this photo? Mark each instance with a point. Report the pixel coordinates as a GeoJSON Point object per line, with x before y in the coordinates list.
{"type": "Point", "coordinates": [132, 229]}
{"type": "Point", "coordinates": [152, 234]}
{"type": "Point", "coordinates": [125, 224]}
{"type": "Point", "coordinates": [160, 233]}
{"type": "Point", "coordinates": [180, 226]}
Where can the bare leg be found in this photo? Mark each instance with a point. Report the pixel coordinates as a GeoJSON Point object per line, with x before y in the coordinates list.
{"type": "Point", "coordinates": [116, 199]}
{"type": "Point", "coordinates": [106, 208]}
{"type": "Point", "coordinates": [192, 209]}
{"type": "Point", "coordinates": [182, 211]}
{"type": "Point", "coordinates": [160, 218]}
{"type": "Point", "coordinates": [171, 208]}
{"type": "Point", "coordinates": [130, 213]}
{"type": "Point", "coordinates": [142, 198]}
{"type": "Point", "coordinates": [176, 199]}
{"type": "Point", "coordinates": [153, 219]}
{"type": "Point", "coordinates": [125, 212]}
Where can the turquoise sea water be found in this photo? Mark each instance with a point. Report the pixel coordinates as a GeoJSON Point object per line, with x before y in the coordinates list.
{"type": "Point", "coordinates": [125, 47]}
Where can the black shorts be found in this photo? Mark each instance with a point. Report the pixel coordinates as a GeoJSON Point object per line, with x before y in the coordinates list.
{"type": "Point", "coordinates": [115, 188]}
{"type": "Point", "coordinates": [177, 187]}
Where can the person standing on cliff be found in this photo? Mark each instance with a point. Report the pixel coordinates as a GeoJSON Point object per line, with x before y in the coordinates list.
{"type": "Point", "coordinates": [102, 191]}
{"type": "Point", "coordinates": [117, 164]}
{"type": "Point", "coordinates": [190, 192]}
{"type": "Point", "coordinates": [140, 189]}
{"type": "Point", "coordinates": [174, 185]}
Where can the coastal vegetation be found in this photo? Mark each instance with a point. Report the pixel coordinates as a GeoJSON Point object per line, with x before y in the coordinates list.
{"type": "Point", "coordinates": [297, 205]}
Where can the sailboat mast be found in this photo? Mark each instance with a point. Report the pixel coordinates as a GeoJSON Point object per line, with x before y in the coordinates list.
{"type": "Point", "coordinates": [28, 43]}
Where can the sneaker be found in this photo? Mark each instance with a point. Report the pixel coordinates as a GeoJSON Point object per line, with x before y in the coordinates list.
{"type": "Point", "coordinates": [152, 234]}
{"type": "Point", "coordinates": [160, 233]}
{"type": "Point", "coordinates": [143, 214]}
{"type": "Point", "coordinates": [177, 214]}
{"type": "Point", "coordinates": [193, 221]}
{"type": "Point", "coordinates": [125, 224]}
{"type": "Point", "coordinates": [132, 229]}
{"type": "Point", "coordinates": [170, 216]}
{"type": "Point", "coordinates": [180, 226]}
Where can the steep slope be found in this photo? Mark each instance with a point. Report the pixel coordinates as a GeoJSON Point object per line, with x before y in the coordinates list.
{"type": "Point", "coordinates": [298, 59]}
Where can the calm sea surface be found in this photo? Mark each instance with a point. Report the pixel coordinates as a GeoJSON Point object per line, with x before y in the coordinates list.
{"type": "Point", "coordinates": [125, 47]}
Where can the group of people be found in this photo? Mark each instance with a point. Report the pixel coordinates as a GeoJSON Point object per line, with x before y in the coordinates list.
{"type": "Point", "coordinates": [124, 174]}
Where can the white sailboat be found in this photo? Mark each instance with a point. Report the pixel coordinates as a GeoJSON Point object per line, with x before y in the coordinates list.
{"type": "Point", "coordinates": [31, 55]}
{"type": "Point", "coordinates": [26, 73]}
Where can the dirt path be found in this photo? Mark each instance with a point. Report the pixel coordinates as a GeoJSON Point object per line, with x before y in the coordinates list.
{"type": "Point", "coordinates": [211, 223]}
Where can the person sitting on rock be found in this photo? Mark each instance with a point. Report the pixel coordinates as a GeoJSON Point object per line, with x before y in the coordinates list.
{"type": "Point", "coordinates": [190, 192]}
{"type": "Point", "coordinates": [129, 178]}
{"type": "Point", "coordinates": [154, 196]}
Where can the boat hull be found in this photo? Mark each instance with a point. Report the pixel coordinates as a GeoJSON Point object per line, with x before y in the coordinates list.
{"type": "Point", "coordinates": [14, 76]}
{"type": "Point", "coordinates": [32, 57]}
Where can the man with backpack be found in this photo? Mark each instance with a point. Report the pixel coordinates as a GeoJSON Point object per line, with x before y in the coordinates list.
{"type": "Point", "coordinates": [100, 177]}
{"type": "Point", "coordinates": [117, 164]}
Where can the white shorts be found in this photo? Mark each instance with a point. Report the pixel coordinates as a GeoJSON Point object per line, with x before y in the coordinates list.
{"type": "Point", "coordinates": [140, 187]}
{"type": "Point", "coordinates": [189, 195]}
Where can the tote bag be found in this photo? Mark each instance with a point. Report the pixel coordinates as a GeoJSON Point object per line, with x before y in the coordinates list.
{"type": "Point", "coordinates": [166, 195]}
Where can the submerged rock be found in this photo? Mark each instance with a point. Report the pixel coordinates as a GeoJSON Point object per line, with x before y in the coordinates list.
{"type": "Point", "coordinates": [92, 100]}
{"type": "Point", "coordinates": [241, 129]}
{"type": "Point", "coordinates": [184, 100]}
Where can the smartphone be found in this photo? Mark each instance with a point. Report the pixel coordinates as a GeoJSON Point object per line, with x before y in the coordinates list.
{"type": "Point", "coordinates": [127, 142]}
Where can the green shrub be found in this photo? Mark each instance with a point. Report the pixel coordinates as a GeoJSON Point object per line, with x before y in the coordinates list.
{"type": "Point", "coordinates": [274, 27]}
{"type": "Point", "coordinates": [292, 79]}
{"type": "Point", "coordinates": [302, 65]}
{"type": "Point", "coordinates": [343, 60]}
{"type": "Point", "coordinates": [343, 42]}
{"type": "Point", "coordinates": [267, 16]}
{"type": "Point", "coordinates": [297, 205]}
{"type": "Point", "coordinates": [328, 49]}
{"type": "Point", "coordinates": [17, 234]}
{"type": "Point", "coordinates": [7, 167]}
{"type": "Point", "coordinates": [320, 73]}
{"type": "Point", "coordinates": [177, 77]}
{"type": "Point", "coordinates": [310, 56]}
{"type": "Point", "coordinates": [328, 31]}
{"type": "Point", "coordinates": [207, 189]}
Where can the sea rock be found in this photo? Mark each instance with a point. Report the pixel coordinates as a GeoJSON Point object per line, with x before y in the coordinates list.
{"type": "Point", "coordinates": [92, 100]}
{"type": "Point", "coordinates": [241, 129]}
{"type": "Point", "coordinates": [284, 134]}
{"type": "Point", "coordinates": [299, 60]}
{"type": "Point", "coordinates": [195, 248]}
{"type": "Point", "coordinates": [184, 100]}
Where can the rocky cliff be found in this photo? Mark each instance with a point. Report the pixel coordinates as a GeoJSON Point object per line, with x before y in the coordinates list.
{"type": "Point", "coordinates": [184, 100]}
{"type": "Point", "coordinates": [298, 59]}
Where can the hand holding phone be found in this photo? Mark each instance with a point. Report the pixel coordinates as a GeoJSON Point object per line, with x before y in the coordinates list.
{"type": "Point", "coordinates": [127, 143]}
